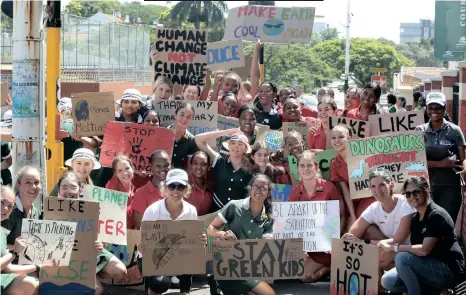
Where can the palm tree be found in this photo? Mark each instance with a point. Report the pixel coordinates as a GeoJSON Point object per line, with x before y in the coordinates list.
{"type": "Point", "coordinates": [208, 12]}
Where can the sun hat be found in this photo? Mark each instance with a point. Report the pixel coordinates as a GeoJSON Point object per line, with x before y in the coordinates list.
{"type": "Point", "coordinates": [436, 97]}
{"type": "Point", "coordinates": [131, 94]}
{"type": "Point", "coordinates": [176, 176]}
{"type": "Point", "coordinates": [241, 138]}
{"type": "Point", "coordinates": [7, 119]}
{"type": "Point", "coordinates": [64, 104]}
{"type": "Point", "coordinates": [84, 153]}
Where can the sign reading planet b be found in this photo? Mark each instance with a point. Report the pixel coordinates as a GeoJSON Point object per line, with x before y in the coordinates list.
{"type": "Point", "coordinates": [274, 27]}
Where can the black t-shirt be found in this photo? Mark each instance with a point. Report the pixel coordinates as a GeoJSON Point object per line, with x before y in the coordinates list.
{"type": "Point", "coordinates": [437, 223]}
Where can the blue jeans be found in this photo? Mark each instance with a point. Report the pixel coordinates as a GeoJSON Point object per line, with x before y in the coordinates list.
{"type": "Point", "coordinates": [413, 273]}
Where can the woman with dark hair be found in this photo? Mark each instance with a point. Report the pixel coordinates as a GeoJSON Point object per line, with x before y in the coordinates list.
{"type": "Point", "coordinates": [249, 218]}
{"type": "Point", "coordinates": [268, 110]}
{"type": "Point", "coordinates": [370, 98]}
{"type": "Point", "coordinates": [317, 140]}
{"type": "Point", "coordinates": [130, 104]}
{"type": "Point", "coordinates": [229, 103]}
{"type": "Point", "coordinates": [391, 99]}
{"type": "Point", "coordinates": [185, 145]}
{"type": "Point", "coordinates": [151, 118]}
{"type": "Point", "coordinates": [260, 163]}
{"type": "Point", "coordinates": [434, 260]}
{"type": "Point", "coordinates": [201, 188]}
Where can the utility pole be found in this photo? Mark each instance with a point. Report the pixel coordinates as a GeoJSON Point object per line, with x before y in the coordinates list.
{"type": "Point", "coordinates": [28, 85]}
{"type": "Point", "coordinates": [54, 146]}
{"type": "Point", "coordinates": [348, 44]}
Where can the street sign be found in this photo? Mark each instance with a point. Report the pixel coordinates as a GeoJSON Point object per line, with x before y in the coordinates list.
{"type": "Point", "coordinates": [379, 70]}
{"type": "Point", "coordinates": [381, 80]}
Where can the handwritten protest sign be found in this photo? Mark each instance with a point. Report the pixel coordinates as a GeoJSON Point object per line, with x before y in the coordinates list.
{"type": "Point", "coordinates": [128, 255]}
{"type": "Point", "coordinates": [270, 24]}
{"type": "Point", "coordinates": [281, 192]}
{"type": "Point", "coordinates": [293, 164]}
{"type": "Point", "coordinates": [208, 218]}
{"type": "Point", "coordinates": [205, 114]}
{"type": "Point", "coordinates": [224, 55]}
{"type": "Point", "coordinates": [47, 240]}
{"type": "Point", "coordinates": [395, 122]}
{"type": "Point", "coordinates": [181, 56]}
{"type": "Point", "coordinates": [355, 268]}
{"type": "Point", "coordinates": [112, 217]}
{"type": "Point", "coordinates": [273, 140]}
{"type": "Point", "coordinates": [80, 273]}
{"type": "Point", "coordinates": [359, 128]}
{"type": "Point", "coordinates": [316, 222]}
{"type": "Point", "coordinates": [300, 127]}
{"type": "Point", "coordinates": [269, 259]}
{"type": "Point", "coordinates": [137, 141]}
{"type": "Point", "coordinates": [170, 244]}
{"type": "Point", "coordinates": [225, 123]}
{"type": "Point", "coordinates": [402, 155]}
{"type": "Point", "coordinates": [324, 158]}
{"type": "Point", "coordinates": [244, 72]}
{"type": "Point", "coordinates": [91, 111]}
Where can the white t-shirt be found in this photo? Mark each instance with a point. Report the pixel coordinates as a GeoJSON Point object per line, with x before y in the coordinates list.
{"type": "Point", "coordinates": [388, 222]}
{"type": "Point", "coordinates": [158, 211]}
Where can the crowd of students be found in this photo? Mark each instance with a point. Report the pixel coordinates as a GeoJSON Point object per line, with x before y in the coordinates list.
{"type": "Point", "coordinates": [414, 228]}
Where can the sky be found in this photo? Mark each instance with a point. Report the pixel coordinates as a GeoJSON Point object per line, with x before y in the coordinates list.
{"type": "Point", "coordinates": [371, 18]}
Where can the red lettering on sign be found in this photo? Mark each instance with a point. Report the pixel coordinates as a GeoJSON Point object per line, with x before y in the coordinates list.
{"type": "Point", "coordinates": [119, 228]}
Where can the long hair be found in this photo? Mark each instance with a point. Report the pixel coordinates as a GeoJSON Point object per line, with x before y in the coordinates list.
{"type": "Point", "coordinates": [21, 173]}
{"type": "Point", "coordinates": [419, 181]}
{"type": "Point", "coordinates": [311, 156]}
{"type": "Point", "coordinates": [268, 201]}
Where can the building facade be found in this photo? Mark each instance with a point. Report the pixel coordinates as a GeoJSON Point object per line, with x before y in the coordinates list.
{"type": "Point", "coordinates": [416, 31]}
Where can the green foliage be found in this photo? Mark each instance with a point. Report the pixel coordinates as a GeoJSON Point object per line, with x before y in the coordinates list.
{"type": "Point", "coordinates": [420, 53]}
{"type": "Point", "coordinates": [364, 55]}
{"type": "Point", "coordinates": [329, 34]}
{"type": "Point", "coordinates": [89, 8]}
{"type": "Point", "coordinates": [197, 12]}
{"type": "Point", "coordinates": [147, 13]}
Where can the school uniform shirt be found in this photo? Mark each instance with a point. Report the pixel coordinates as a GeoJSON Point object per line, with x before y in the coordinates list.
{"type": "Point", "coordinates": [437, 223]}
{"type": "Point", "coordinates": [15, 221]}
{"type": "Point", "coordinates": [388, 223]}
{"type": "Point", "coordinates": [338, 170]}
{"type": "Point", "coordinates": [137, 118]}
{"type": "Point", "coordinates": [5, 154]}
{"type": "Point", "coordinates": [325, 191]}
{"type": "Point", "coordinates": [182, 148]}
{"type": "Point", "coordinates": [159, 211]}
{"type": "Point", "coordinates": [271, 118]}
{"type": "Point", "coordinates": [229, 184]}
{"type": "Point", "coordinates": [144, 197]}
{"type": "Point", "coordinates": [305, 111]}
{"type": "Point", "coordinates": [201, 198]}
{"type": "Point", "coordinates": [356, 114]}
{"type": "Point", "coordinates": [318, 139]}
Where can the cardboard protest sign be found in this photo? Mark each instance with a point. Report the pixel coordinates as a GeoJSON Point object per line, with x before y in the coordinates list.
{"type": "Point", "coordinates": [205, 114]}
{"type": "Point", "coordinates": [47, 240]}
{"type": "Point", "coordinates": [5, 95]}
{"type": "Point", "coordinates": [316, 222]}
{"type": "Point", "coordinates": [324, 158]}
{"type": "Point", "coordinates": [281, 192]}
{"type": "Point", "coordinates": [137, 141]}
{"type": "Point", "coordinates": [402, 155]}
{"type": "Point", "coordinates": [170, 244]}
{"type": "Point", "coordinates": [181, 56]}
{"type": "Point", "coordinates": [225, 123]}
{"type": "Point", "coordinates": [80, 272]}
{"type": "Point", "coordinates": [91, 111]}
{"type": "Point", "coordinates": [245, 71]}
{"type": "Point", "coordinates": [225, 55]}
{"type": "Point", "coordinates": [300, 127]}
{"type": "Point", "coordinates": [112, 217]}
{"type": "Point", "coordinates": [293, 164]}
{"type": "Point", "coordinates": [128, 255]}
{"type": "Point", "coordinates": [359, 128]}
{"type": "Point", "coordinates": [208, 218]}
{"type": "Point", "coordinates": [395, 122]}
{"type": "Point", "coordinates": [258, 259]}
{"type": "Point", "coordinates": [270, 24]}
{"type": "Point", "coordinates": [355, 268]}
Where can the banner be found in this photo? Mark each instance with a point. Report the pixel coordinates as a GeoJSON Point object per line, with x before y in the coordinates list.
{"type": "Point", "coordinates": [450, 30]}
{"type": "Point", "coordinates": [112, 216]}
{"type": "Point", "coordinates": [270, 24]}
{"type": "Point", "coordinates": [402, 155]}
{"type": "Point", "coordinates": [266, 259]}
{"type": "Point", "coordinates": [316, 222]}
{"type": "Point", "coordinates": [205, 114]}
{"type": "Point", "coordinates": [47, 240]}
{"type": "Point", "coordinates": [281, 192]}
{"type": "Point", "coordinates": [355, 268]}
{"type": "Point", "coordinates": [81, 269]}
{"type": "Point", "coordinates": [225, 55]}
{"type": "Point", "coordinates": [324, 158]}
{"type": "Point", "coordinates": [171, 245]}
{"type": "Point", "coordinates": [359, 128]}
{"type": "Point", "coordinates": [137, 141]}
{"type": "Point", "coordinates": [181, 56]}
{"type": "Point", "coordinates": [395, 122]}
{"type": "Point", "coordinates": [91, 111]}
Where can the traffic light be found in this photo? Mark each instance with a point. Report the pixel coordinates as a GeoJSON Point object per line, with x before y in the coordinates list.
{"type": "Point", "coordinates": [7, 8]}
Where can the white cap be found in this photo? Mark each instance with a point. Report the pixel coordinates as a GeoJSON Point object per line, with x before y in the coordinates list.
{"type": "Point", "coordinates": [436, 97]}
{"type": "Point", "coordinates": [131, 94]}
{"type": "Point", "coordinates": [176, 176]}
{"type": "Point", "coordinates": [7, 119]}
{"type": "Point", "coordinates": [84, 153]}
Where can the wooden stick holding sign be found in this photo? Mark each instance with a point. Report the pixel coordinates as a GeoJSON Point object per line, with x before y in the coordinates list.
{"type": "Point", "coordinates": [224, 55]}
{"type": "Point", "coordinates": [395, 122]}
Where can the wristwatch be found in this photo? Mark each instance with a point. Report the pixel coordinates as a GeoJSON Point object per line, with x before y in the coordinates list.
{"type": "Point", "coordinates": [395, 247]}
{"type": "Point", "coordinates": [13, 252]}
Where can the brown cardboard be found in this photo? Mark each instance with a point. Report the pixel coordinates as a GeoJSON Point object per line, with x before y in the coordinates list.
{"type": "Point", "coordinates": [208, 218]}
{"type": "Point", "coordinates": [272, 259]}
{"type": "Point", "coordinates": [395, 122]}
{"type": "Point", "coordinates": [359, 128]}
{"type": "Point", "coordinates": [245, 71]}
{"type": "Point", "coordinates": [355, 268]}
{"type": "Point", "coordinates": [91, 111]}
{"type": "Point", "coordinates": [171, 245]}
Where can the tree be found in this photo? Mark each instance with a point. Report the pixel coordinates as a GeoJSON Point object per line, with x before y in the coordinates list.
{"type": "Point", "coordinates": [89, 8]}
{"type": "Point", "coordinates": [364, 55]}
{"type": "Point", "coordinates": [147, 13]}
{"type": "Point", "coordinates": [329, 34]}
{"type": "Point", "coordinates": [197, 12]}
{"type": "Point", "coordinates": [420, 53]}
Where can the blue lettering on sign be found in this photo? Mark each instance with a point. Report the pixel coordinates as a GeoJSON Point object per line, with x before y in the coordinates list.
{"type": "Point", "coordinates": [198, 130]}
{"type": "Point", "coordinates": [221, 55]}
{"type": "Point", "coordinates": [243, 31]}
{"type": "Point", "coordinates": [226, 124]}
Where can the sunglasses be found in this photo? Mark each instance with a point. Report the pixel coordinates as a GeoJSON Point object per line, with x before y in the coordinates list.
{"type": "Point", "coordinates": [269, 26]}
{"type": "Point", "coordinates": [176, 186]}
{"type": "Point", "coordinates": [414, 193]}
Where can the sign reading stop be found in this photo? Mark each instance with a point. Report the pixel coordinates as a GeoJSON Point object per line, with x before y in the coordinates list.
{"type": "Point", "coordinates": [381, 80]}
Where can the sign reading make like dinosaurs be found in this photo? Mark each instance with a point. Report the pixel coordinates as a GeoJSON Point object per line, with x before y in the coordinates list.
{"type": "Point", "coordinates": [403, 155]}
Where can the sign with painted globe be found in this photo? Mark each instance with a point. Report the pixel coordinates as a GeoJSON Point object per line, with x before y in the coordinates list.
{"type": "Point", "coordinates": [273, 140]}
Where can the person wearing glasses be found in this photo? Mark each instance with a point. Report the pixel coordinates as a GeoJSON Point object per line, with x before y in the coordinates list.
{"type": "Point", "coordinates": [173, 206]}
{"type": "Point", "coordinates": [249, 218]}
{"type": "Point", "coordinates": [434, 260]}
{"type": "Point", "coordinates": [445, 152]}
{"type": "Point", "coordinates": [387, 220]}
